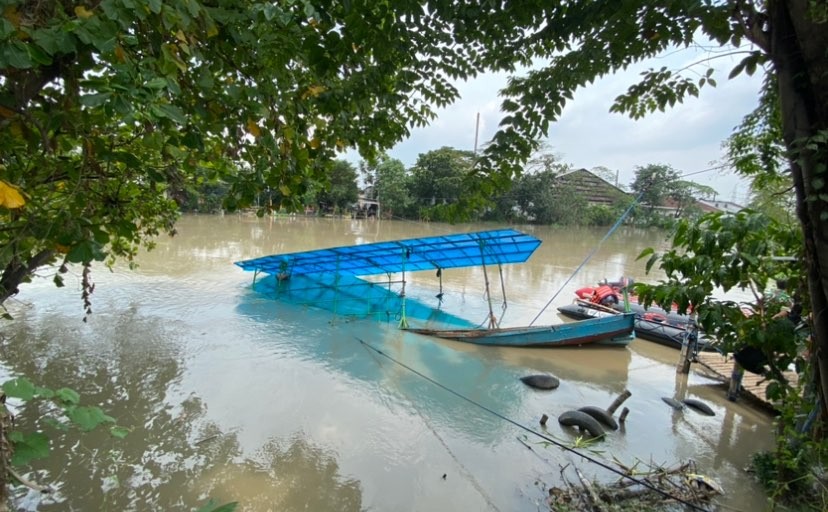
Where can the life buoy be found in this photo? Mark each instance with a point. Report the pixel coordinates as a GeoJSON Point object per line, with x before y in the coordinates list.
{"type": "Point", "coordinates": [604, 294]}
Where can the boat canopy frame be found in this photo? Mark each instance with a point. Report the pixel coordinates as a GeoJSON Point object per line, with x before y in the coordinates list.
{"type": "Point", "coordinates": [490, 247]}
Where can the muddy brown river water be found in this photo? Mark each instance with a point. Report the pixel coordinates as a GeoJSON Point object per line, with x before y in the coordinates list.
{"type": "Point", "coordinates": [232, 395]}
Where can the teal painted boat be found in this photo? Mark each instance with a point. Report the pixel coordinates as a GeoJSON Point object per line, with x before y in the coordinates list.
{"type": "Point", "coordinates": [608, 330]}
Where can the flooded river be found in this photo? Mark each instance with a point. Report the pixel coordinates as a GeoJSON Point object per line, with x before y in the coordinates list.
{"type": "Point", "coordinates": [231, 395]}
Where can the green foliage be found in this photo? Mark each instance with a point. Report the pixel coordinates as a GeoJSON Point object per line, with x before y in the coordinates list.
{"type": "Point", "coordinates": [112, 111]}
{"type": "Point", "coordinates": [721, 252]}
{"type": "Point", "coordinates": [438, 178]}
{"type": "Point", "coordinates": [392, 186]}
{"type": "Point", "coordinates": [655, 183]}
{"type": "Point", "coordinates": [28, 446]}
{"type": "Point", "coordinates": [601, 215]}
{"type": "Point", "coordinates": [342, 190]}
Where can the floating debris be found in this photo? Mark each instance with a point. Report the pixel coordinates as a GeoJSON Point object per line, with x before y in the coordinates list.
{"type": "Point", "coordinates": [600, 415]}
{"type": "Point", "coordinates": [541, 381]}
{"type": "Point", "coordinates": [583, 421]}
{"type": "Point", "coordinates": [651, 487]}
{"type": "Point", "coordinates": [699, 406]}
{"type": "Point", "coordinates": [672, 402]}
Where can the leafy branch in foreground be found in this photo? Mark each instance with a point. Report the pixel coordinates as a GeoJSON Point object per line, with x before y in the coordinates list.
{"type": "Point", "coordinates": [747, 251]}
{"type": "Point", "coordinates": [59, 410]}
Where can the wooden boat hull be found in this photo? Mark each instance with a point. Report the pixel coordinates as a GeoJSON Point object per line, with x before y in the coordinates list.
{"type": "Point", "coordinates": [651, 330]}
{"type": "Point", "coordinates": [568, 334]}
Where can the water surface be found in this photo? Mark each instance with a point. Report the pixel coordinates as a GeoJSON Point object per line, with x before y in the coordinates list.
{"type": "Point", "coordinates": [232, 395]}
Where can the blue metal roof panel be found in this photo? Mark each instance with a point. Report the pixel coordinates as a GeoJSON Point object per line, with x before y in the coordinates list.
{"type": "Point", "coordinates": [429, 253]}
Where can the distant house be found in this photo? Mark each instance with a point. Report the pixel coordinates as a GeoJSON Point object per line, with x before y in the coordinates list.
{"type": "Point", "coordinates": [593, 188]}
{"type": "Point", "coordinates": [708, 206]}
{"type": "Point", "coordinates": [367, 204]}
{"type": "Point", "coordinates": [670, 206]}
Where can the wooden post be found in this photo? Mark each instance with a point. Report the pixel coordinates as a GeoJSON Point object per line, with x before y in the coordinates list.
{"type": "Point", "coordinates": [735, 382]}
{"type": "Point", "coordinates": [688, 348]}
{"type": "Point", "coordinates": [618, 401]}
{"type": "Point", "coordinates": [492, 319]}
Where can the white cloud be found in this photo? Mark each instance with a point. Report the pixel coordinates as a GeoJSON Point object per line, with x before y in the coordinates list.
{"type": "Point", "coordinates": [688, 136]}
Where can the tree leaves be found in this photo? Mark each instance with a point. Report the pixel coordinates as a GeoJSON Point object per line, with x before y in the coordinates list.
{"type": "Point", "coordinates": [19, 387]}
{"type": "Point", "coordinates": [28, 447]}
{"type": "Point", "coordinates": [87, 418]}
{"type": "Point", "coordinates": [10, 197]}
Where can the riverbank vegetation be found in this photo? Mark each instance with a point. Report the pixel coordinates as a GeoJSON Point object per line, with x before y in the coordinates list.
{"type": "Point", "coordinates": [112, 113]}
{"type": "Point", "coordinates": [547, 192]}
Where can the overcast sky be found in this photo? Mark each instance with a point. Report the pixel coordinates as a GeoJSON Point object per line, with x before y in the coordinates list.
{"type": "Point", "coordinates": [688, 136]}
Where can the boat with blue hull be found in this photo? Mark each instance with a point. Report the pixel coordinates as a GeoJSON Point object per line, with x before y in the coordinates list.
{"type": "Point", "coordinates": [614, 330]}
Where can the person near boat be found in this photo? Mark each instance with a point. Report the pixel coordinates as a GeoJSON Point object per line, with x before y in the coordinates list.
{"type": "Point", "coordinates": [604, 295]}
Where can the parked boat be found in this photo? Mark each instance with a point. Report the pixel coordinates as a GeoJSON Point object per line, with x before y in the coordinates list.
{"type": "Point", "coordinates": [610, 329]}
{"type": "Point", "coordinates": [662, 328]}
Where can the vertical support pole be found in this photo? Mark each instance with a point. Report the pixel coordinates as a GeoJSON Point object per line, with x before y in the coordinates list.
{"type": "Point", "coordinates": [335, 283]}
{"type": "Point", "coordinates": [403, 319]}
{"type": "Point", "coordinates": [735, 382]}
{"type": "Point", "coordinates": [683, 365]}
{"type": "Point", "coordinates": [255, 274]}
{"type": "Point", "coordinates": [688, 347]}
{"type": "Point", "coordinates": [492, 319]}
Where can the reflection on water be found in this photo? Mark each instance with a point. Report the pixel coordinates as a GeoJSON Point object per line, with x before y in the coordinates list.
{"type": "Point", "coordinates": [233, 395]}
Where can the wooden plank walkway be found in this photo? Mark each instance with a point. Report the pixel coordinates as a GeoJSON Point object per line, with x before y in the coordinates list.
{"type": "Point", "coordinates": [754, 386]}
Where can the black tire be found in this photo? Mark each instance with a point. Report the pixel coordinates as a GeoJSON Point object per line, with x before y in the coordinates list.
{"type": "Point", "coordinates": [601, 415]}
{"type": "Point", "coordinates": [699, 406]}
{"type": "Point", "coordinates": [582, 420]}
{"type": "Point", "coordinates": [672, 402]}
{"type": "Point", "coordinates": [541, 381]}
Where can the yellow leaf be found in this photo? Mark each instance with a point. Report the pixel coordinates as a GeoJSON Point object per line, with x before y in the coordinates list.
{"type": "Point", "coordinates": [313, 91]}
{"type": "Point", "coordinates": [11, 14]}
{"type": "Point", "coordinates": [10, 197]}
{"type": "Point", "coordinates": [119, 53]}
{"type": "Point", "coordinates": [253, 128]}
{"type": "Point", "coordinates": [83, 12]}
{"type": "Point", "coordinates": [63, 249]}
{"type": "Point", "coordinates": [212, 30]}
{"type": "Point", "coordinates": [315, 143]}
{"type": "Point", "coordinates": [285, 190]}
{"type": "Point", "coordinates": [4, 112]}
{"type": "Point", "coordinates": [340, 144]}
{"type": "Point", "coordinates": [180, 36]}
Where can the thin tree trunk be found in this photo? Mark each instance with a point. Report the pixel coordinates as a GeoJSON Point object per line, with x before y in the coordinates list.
{"type": "Point", "coordinates": [16, 272]}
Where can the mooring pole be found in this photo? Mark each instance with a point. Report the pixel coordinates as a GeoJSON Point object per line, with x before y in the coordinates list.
{"type": "Point", "coordinates": [688, 347]}
{"type": "Point", "coordinates": [403, 319]}
{"type": "Point", "coordinates": [492, 319]}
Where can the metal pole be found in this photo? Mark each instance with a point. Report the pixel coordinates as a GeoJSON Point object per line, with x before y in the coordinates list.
{"type": "Point", "coordinates": [492, 320]}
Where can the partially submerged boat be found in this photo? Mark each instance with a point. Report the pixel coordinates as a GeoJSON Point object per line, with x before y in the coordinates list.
{"type": "Point", "coordinates": [670, 330]}
{"type": "Point", "coordinates": [333, 279]}
{"type": "Point", "coordinates": [611, 330]}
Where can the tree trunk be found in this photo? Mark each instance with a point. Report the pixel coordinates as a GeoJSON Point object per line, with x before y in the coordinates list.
{"type": "Point", "coordinates": [797, 51]}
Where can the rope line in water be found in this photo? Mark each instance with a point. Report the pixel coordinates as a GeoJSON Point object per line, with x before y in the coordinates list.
{"type": "Point", "coordinates": [463, 469]}
{"type": "Point", "coordinates": [534, 432]}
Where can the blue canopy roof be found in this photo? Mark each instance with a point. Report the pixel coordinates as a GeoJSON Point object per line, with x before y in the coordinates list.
{"type": "Point", "coordinates": [435, 252]}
